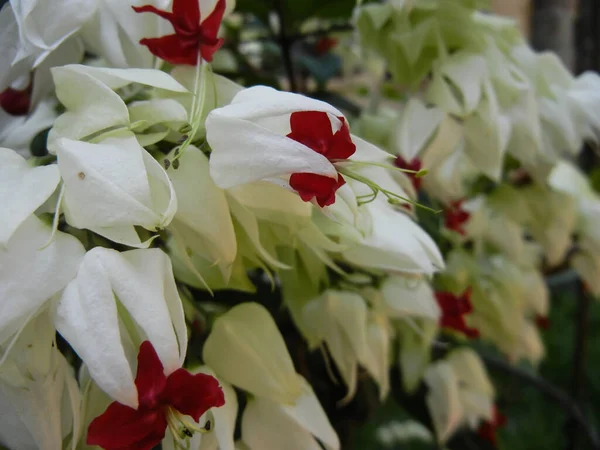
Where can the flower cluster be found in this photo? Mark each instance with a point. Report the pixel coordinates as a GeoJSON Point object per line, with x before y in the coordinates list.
{"type": "Point", "coordinates": [164, 186]}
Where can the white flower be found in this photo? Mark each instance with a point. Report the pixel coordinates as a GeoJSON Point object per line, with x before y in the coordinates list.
{"type": "Point", "coordinates": [114, 185]}
{"type": "Point", "coordinates": [23, 189]}
{"type": "Point", "coordinates": [259, 148]}
{"type": "Point", "coordinates": [117, 301]}
{"type": "Point", "coordinates": [30, 275]}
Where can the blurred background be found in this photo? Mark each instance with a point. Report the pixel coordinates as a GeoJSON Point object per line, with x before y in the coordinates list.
{"type": "Point", "coordinates": [538, 414]}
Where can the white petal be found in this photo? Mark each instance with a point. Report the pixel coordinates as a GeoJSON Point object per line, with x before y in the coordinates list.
{"type": "Point", "coordinates": [29, 275]}
{"type": "Point", "coordinates": [23, 189]}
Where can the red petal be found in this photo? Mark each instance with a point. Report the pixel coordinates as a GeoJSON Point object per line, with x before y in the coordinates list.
{"type": "Point", "coordinates": [210, 26]}
{"type": "Point", "coordinates": [448, 303]}
{"type": "Point", "coordinates": [159, 12]}
{"type": "Point", "coordinates": [310, 185]}
{"type": "Point", "coordinates": [310, 125]}
{"type": "Point", "coordinates": [150, 379]}
{"type": "Point", "coordinates": [341, 146]}
{"type": "Point", "coordinates": [207, 51]}
{"type": "Point", "coordinates": [121, 427]}
{"type": "Point", "coordinates": [193, 395]}
{"type": "Point", "coordinates": [173, 49]}
{"type": "Point", "coordinates": [187, 13]}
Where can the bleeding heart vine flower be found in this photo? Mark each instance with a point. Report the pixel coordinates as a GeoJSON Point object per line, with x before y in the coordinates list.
{"type": "Point", "coordinates": [293, 141]}
{"type": "Point", "coordinates": [487, 430]}
{"type": "Point", "coordinates": [192, 34]}
{"type": "Point", "coordinates": [454, 308]}
{"type": "Point", "coordinates": [164, 402]}
{"type": "Point", "coordinates": [456, 217]}
{"type": "Point", "coordinates": [313, 129]}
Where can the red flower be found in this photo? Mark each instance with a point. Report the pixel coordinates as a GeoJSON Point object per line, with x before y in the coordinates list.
{"type": "Point", "coordinates": [313, 129]}
{"type": "Point", "coordinates": [414, 164]}
{"type": "Point", "coordinates": [16, 102]}
{"type": "Point", "coordinates": [454, 309]}
{"type": "Point", "coordinates": [163, 401]}
{"type": "Point", "coordinates": [487, 430]}
{"type": "Point", "coordinates": [325, 44]}
{"type": "Point", "coordinates": [190, 36]}
{"type": "Point", "coordinates": [456, 218]}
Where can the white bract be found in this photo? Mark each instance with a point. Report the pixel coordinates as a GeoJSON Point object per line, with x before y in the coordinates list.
{"type": "Point", "coordinates": [395, 243]}
{"type": "Point", "coordinates": [258, 360]}
{"type": "Point", "coordinates": [23, 189]}
{"type": "Point", "coordinates": [202, 222]}
{"type": "Point", "coordinates": [93, 106]}
{"type": "Point", "coordinates": [30, 274]}
{"type": "Point", "coordinates": [340, 320]}
{"type": "Point", "coordinates": [267, 425]}
{"type": "Point", "coordinates": [117, 301]}
{"type": "Point", "coordinates": [39, 396]}
{"type": "Point", "coordinates": [114, 185]}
